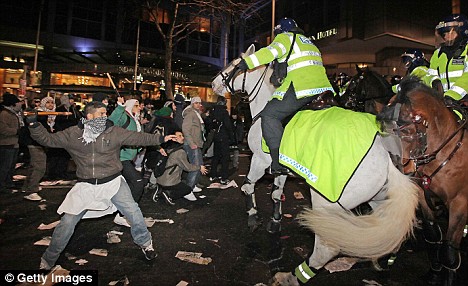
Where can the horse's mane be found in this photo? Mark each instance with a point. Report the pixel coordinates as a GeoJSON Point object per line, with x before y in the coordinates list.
{"type": "Point", "coordinates": [412, 83]}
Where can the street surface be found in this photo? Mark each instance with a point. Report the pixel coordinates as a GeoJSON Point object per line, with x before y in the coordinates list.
{"type": "Point", "coordinates": [215, 226]}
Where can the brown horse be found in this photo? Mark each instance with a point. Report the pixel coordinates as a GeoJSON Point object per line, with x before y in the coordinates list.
{"type": "Point", "coordinates": [435, 138]}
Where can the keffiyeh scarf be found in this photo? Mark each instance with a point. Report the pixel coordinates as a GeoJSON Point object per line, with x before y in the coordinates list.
{"type": "Point", "coordinates": [93, 128]}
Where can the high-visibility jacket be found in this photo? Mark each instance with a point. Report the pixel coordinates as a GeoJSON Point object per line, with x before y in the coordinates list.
{"type": "Point", "coordinates": [422, 73]}
{"type": "Point", "coordinates": [305, 66]}
{"type": "Point", "coordinates": [453, 73]}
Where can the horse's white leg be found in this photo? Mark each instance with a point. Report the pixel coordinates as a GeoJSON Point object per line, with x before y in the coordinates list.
{"type": "Point", "coordinates": [258, 164]}
{"type": "Point", "coordinates": [274, 225]}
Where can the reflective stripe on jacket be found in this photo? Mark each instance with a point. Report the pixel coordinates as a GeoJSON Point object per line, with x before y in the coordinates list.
{"type": "Point", "coordinates": [453, 74]}
{"type": "Point", "coordinates": [305, 66]}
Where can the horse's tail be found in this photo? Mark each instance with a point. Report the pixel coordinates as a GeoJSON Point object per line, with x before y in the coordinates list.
{"type": "Point", "coordinates": [372, 235]}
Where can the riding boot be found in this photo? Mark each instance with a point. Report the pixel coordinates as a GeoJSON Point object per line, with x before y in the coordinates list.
{"type": "Point", "coordinates": [276, 168]}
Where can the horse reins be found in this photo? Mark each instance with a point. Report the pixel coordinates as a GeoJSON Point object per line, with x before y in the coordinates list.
{"type": "Point", "coordinates": [427, 158]}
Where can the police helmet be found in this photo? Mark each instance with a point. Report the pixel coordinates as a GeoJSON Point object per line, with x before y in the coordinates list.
{"type": "Point", "coordinates": [454, 23]}
{"type": "Point", "coordinates": [286, 25]}
{"type": "Point", "coordinates": [413, 58]}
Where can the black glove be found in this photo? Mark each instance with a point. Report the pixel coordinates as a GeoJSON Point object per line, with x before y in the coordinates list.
{"type": "Point", "coordinates": [31, 119]}
{"type": "Point", "coordinates": [242, 65]}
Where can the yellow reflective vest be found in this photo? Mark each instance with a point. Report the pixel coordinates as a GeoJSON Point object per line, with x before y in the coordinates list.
{"type": "Point", "coordinates": [422, 73]}
{"type": "Point", "coordinates": [305, 66]}
{"type": "Point", "coordinates": [453, 74]}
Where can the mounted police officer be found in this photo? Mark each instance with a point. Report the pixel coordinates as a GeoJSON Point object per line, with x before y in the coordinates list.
{"type": "Point", "coordinates": [450, 60]}
{"type": "Point", "coordinates": [306, 78]}
{"type": "Point", "coordinates": [417, 65]}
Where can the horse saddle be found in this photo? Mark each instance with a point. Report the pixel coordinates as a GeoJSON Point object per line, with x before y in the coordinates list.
{"type": "Point", "coordinates": [321, 101]}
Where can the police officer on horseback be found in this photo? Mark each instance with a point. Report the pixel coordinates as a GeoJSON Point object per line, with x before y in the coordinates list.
{"type": "Point", "coordinates": [450, 60]}
{"type": "Point", "coordinates": [417, 65]}
{"type": "Point", "coordinates": [306, 78]}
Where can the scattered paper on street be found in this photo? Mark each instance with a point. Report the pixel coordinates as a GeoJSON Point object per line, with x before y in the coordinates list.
{"type": "Point", "coordinates": [113, 238]}
{"type": "Point", "coordinates": [55, 272]}
{"type": "Point", "coordinates": [45, 241]}
{"type": "Point", "coordinates": [202, 197]}
{"type": "Point", "coordinates": [70, 256]}
{"type": "Point", "coordinates": [181, 211]}
{"type": "Point", "coordinates": [116, 232]}
{"type": "Point", "coordinates": [232, 184]}
{"type": "Point", "coordinates": [48, 226]}
{"type": "Point", "coordinates": [48, 183]}
{"type": "Point", "coordinates": [371, 282]}
{"type": "Point", "coordinates": [124, 282]}
{"type": "Point", "coordinates": [341, 264]}
{"type": "Point", "coordinates": [288, 215]}
{"type": "Point", "coordinates": [43, 207]}
{"type": "Point", "coordinates": [193, 257]}
{"type": "Point", "coordinates": [81, 261]}
{"type": "Point", "coordinates": [182, 283]}
{"type": "Point", "coordinates": [18, 165]}
{"type": "Point", "coordinates": [149, 221]}
{"type": "Point", "coordinates": [298, 196]}
{"type": "Point", "coordinates": [18, 177]}
{"type": "Point", "coordinates": [99, 252]}
{"type": "Point", "coordinates": [213, 240]}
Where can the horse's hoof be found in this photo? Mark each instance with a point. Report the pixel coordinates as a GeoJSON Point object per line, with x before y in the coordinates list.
{"type": "Point", "coordinates": [284, 279]}
{"type": "Point", "coordinates": [274, 226]}
{"type": "Point", "coordinates": [254, 222]}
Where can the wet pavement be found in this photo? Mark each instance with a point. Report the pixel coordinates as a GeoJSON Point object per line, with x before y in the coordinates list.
{"type": "Point", "coordinates": [215, 226]}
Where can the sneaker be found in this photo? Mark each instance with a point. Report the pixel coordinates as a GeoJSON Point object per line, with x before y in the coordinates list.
{"type": "Point", "coordinates": [224, 182]}
{"type": "Point", "coordinates": [149, 252]}
{"type": "Point", "coordinates": [190, 197]}
{"type": "Point", "coordinates": [167, 198]}
{"type": "Point", "coordinates": [157, 193]}
{"type": "Point", "coordinates": [33, 197]}
{"type": "Point", "coordinates": [197, 189]}
{"type": "Point", "coordinates": [120, 220]}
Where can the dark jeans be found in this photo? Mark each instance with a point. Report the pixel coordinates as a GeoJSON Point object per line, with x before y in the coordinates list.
{"type": "Point", "coordinates": [277, 110]}
{"type": "Point", "coordinates": [220, 155]}
{"type": "Point", "coordinates": [177, 191]}
{"type": "Point", "coordinates": [134, 179]}
{"type": "Point", "coordinates": [8, 158]}
{"type": "Point", "coordinates": [57, 163]}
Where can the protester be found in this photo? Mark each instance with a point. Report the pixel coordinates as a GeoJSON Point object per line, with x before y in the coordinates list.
{"type": "Point", "coordinates": [223, 138]}
{"type": "Point", "coordinates": [10, 124]}
{"type": "Point", "coordinates": [171, 185]}
{"type": "Point", "coordinates": [193, 129]}
{"type": "Point", "coordinates": [94, 144]}
{"type": "Point", "coordinates": [126, 115]}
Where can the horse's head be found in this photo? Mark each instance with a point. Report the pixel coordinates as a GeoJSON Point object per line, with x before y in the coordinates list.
{"type": "Point", "coordinates": [367, 91]}
{"type": "Point", "coordinates": [410, 114]}
{"type": "Point", "coordinates": [224, 81]}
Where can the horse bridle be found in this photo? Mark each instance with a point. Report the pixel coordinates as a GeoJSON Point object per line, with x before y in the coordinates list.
{"type": "Point", "coordinates": [421, 125]}
{"type": "Point", "coordinates": [228, 82]}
